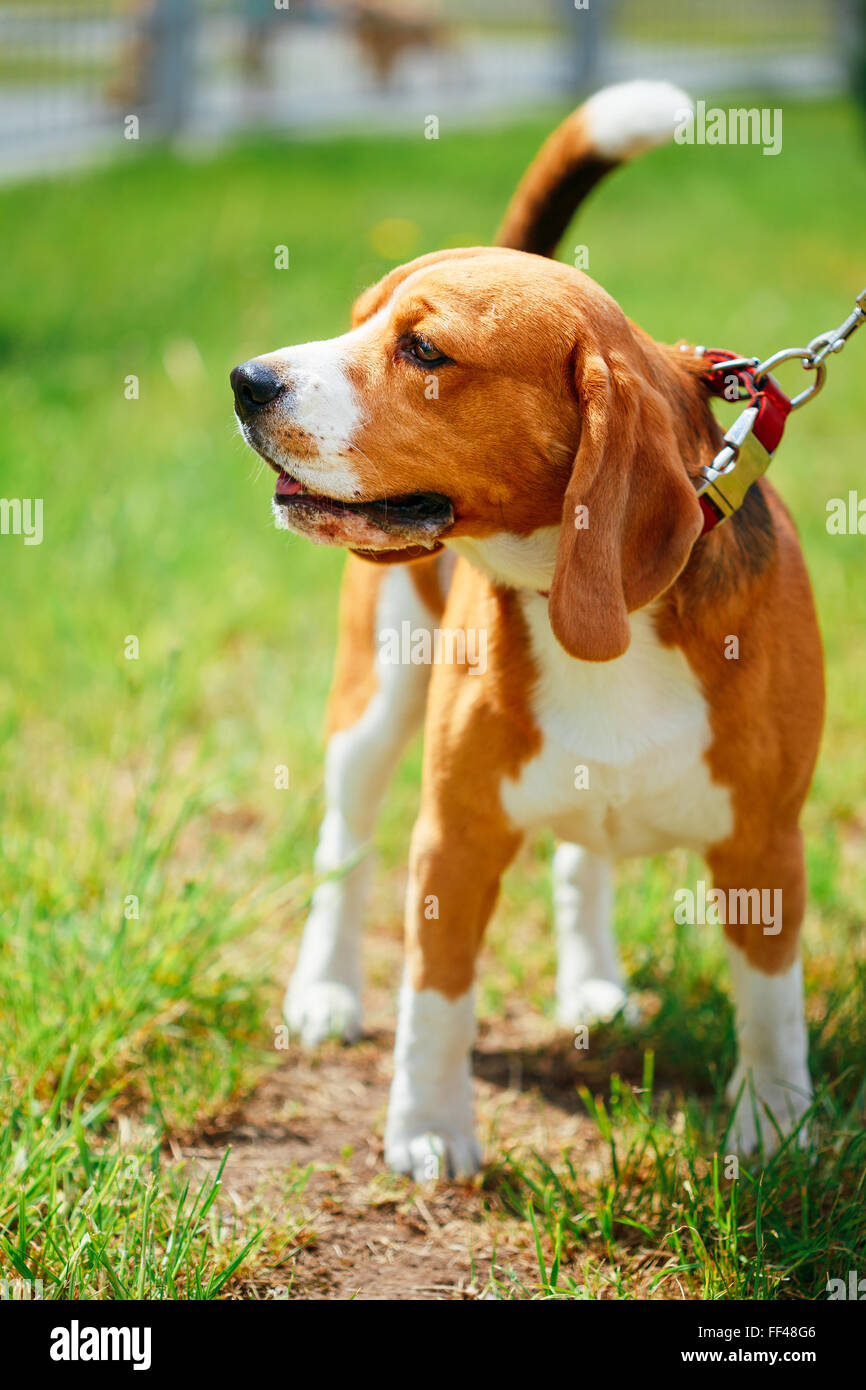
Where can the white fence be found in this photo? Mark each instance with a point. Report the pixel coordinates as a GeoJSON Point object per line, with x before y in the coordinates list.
{"type": "Point", "coordinates": [72, 72]}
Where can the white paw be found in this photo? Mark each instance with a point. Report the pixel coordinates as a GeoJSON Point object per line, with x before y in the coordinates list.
{"type": "Point", "coordinates": [433, 1157]}
{"type": "Point", "coordinates": [593, 1001]}
{"type": "Point", "coordinates": [322, 1009]}
{"type": "Point", "coordinates": [752, 1127]}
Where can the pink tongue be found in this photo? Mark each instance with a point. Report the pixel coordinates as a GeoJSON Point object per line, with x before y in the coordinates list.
{"type": "Point", "coordinates": [287, 487]}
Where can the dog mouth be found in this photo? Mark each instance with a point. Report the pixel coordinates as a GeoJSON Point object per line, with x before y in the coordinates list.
{"type": "Point", "coordinates": [403, 521]}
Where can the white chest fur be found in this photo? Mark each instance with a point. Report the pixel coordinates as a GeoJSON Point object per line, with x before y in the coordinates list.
{"type": "Point", "coordinates": [621, 769]}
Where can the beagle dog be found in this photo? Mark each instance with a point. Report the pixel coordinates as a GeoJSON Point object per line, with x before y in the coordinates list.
{"type": "Point", "coordinates": [509, 459]}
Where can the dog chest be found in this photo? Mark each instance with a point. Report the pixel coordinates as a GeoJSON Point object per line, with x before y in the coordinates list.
{"type": "Point", "coordinates": [621, 768]}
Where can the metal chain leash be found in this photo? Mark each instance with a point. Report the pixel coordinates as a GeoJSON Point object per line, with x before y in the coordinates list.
{"type": "Point", "coordinates": [812, 358]}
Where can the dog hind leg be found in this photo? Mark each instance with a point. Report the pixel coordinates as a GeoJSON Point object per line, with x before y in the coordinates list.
{"type": "Point", "coordinates": [589, 981]}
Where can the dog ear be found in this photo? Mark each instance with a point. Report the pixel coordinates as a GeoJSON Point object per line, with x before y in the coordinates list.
{"type": "Point", "coordinates": [630, 515]}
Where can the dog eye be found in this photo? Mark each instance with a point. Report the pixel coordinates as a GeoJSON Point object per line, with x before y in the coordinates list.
{"type": "Point", "coordinates": [422, 351]}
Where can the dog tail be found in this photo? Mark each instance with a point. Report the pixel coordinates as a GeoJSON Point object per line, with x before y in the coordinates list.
{"type": "Point", "coordinates": [608, 129]}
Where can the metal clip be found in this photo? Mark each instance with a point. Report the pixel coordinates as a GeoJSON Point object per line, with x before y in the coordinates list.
{"type": "Point", "coordinates": [836, 338]}
{"type": "Point", "coordinates": [734, 441]}
{"type": "Point", "coordinates": [809, 362]}
{"type": "Point", "coordinates": [739, 464]}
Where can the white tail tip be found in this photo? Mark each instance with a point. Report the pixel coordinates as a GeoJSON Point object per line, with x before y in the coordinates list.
{"type": "Point", "coordinates": [630, 117]}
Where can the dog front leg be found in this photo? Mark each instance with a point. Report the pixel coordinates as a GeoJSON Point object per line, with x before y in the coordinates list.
{"type": "Point", "coordinates": [455, 869]}
{"type": "Point", "coordinates": [770, 1085]}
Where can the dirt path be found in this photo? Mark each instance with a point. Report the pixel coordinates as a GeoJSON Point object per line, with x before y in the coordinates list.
{"type": "Point", "coordinates": [373, 1236]}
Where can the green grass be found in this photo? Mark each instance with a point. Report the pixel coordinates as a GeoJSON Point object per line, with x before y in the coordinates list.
{"type": "Point", "coordinates": [23, 68]}
{"type": "Point", "coordinates": [671, 1215]}
{"type": "Point", "coordinates": [153, 779]}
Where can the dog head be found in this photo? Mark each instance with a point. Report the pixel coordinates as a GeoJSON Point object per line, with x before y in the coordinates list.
{"type": "Point", "coordinates": [479, 392]}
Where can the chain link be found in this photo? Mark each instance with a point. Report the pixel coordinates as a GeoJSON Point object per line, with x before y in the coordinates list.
{"type": "Point", "coordinates": [813, 358]}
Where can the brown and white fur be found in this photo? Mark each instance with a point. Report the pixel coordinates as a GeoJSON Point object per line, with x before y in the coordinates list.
{"type": "Point", "coordinates": [607, 644]}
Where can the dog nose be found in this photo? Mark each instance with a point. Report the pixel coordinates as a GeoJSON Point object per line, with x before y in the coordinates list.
{"type": "Point", "coordinates": [254, 385]}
